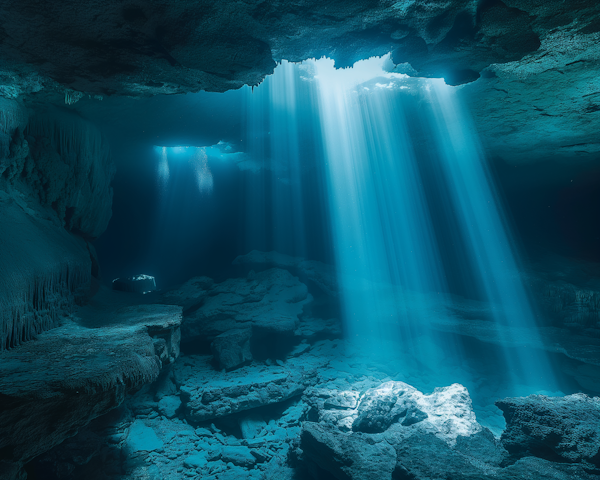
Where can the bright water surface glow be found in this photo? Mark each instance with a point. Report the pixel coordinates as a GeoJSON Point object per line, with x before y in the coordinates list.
{"type": "Point", "coordinates": [197, 157]}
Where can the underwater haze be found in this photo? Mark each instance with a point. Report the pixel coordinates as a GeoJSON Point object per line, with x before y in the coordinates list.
{"type": "Point", "coordinates": [299, 240]}
{"type": "Point", "coordinates": [337, 281]}
{"type": "Point", "coordinates": [377, 174]}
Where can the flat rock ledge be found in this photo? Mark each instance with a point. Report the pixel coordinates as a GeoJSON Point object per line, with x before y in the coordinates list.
{"type": "Point", "coordinates": [208, 394]}
{"type": "Point", "coordinates": [51, 387]}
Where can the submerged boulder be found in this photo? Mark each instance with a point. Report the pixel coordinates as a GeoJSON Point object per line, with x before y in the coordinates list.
{"type": "Point", "coordinates": [347, 456]}
{"type": "Point", "coordinates": [251, 425]}
{"type": "Point", "coordinates": [232, 349]}
{"type": "Point", "coordinates": [559, 429]}
{"type": "Point", "coordinates": [136, 284]}
{"type": "Point", "coordinates": [263, 307]}
{"type": "Point", "coordinates": [380, 407]}
{"type": "Point", "coordinates": [447, 412]}
{"type": "Point", "coordinates": [207, 394]}
{"type": "Point", "coordinates": [432, 436]}
{"type": "Point", "coordinates": [190, 295]}
{"type": "Point", "coordinates": [323, 275]}
{"type": "Point", "coordinates": [270, 302]}
{"type": "Point", "coordinates": [238, 455]}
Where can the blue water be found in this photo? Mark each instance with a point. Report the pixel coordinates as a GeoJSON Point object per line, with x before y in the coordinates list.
{"type": "Point", "coordinates": [391, 169]}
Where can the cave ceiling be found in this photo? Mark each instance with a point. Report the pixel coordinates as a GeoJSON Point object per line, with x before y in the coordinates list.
{"type": "Point", "coordinates": [527, 68]}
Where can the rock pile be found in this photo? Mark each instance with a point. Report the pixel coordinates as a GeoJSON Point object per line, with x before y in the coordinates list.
{"type": "Point", "coordinates": [241, 318]}
{"type": "Point", "coordinates": [271, 399]}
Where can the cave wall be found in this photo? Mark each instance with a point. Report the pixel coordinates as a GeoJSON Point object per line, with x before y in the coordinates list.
{"type": "Point", "coordinates": [55, 196]}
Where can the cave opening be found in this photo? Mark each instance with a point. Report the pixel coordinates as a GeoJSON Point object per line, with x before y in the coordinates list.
{"type": "Point", "coordinates": [330, 165]}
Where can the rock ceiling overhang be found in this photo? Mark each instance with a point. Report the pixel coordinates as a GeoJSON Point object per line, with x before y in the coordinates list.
{"type": "Point", "coordinates": [535, 60]}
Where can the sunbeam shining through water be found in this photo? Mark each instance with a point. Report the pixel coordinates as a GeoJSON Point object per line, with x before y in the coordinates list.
{"type": "Point", "coordinates": [424, 256]}
{"type": "Point", "coordinates": [394, 294]}
{"type": "Point", "coordinates": [385, 253]}
{"type": "Point", "coordinates": [484, 229]}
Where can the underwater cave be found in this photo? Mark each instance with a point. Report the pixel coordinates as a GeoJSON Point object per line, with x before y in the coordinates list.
{"type": "Point", "coordinates": [300, 240]}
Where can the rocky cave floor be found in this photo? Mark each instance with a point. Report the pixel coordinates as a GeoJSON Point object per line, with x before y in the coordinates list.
{"type": "Point", "coordinates": [266, 388]}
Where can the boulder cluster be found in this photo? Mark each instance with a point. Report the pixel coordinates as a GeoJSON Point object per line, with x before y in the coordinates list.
{"type": "Point", "coordinates": [265, 389]}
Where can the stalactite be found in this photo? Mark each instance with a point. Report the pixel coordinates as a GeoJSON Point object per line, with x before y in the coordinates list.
{"type": "Point", "coordinates": [44, 269]}
{"type": "Point", "coordinates": [74, 138]}
{"type": "Point", "coordinates": [72, 97]}
{"type": "Point", "coordinates": [25, 313]}
{"type": "Point", "coordinates": [79, 180]}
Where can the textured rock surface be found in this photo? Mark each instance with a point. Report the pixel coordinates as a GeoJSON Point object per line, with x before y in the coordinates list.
{"type": "Point", "coordinates": [447, 411]}
{"type": "Point", "coordinates": [163, 48]}
{"type": "Point", "coordinates": [176, 449]}
{"type": "Point", "coordinates": [545, 105]}
{"type": "Point", "coordinates": [265, 315]}
{"type": "Point", "coordinates": [537, 468]}
{"type": "Point", "coordinates": [522, 49]}
{"type": "Point", "coordinates": [261, 310]}
{"type": "Point", "coordinates": [44, 269]}
{"type": "Point", "coordinates": [207, 394]}
{"type": "Point", "coordinates": [13, 116]}
{"type": "Point", "coordinates": [324, 409]}
{"type": "Point", "coordinates": [347, 456]}
{"type": "Point", "coordinates": [270, 303]}
{"type": "Point", "coordinates": [323, 275]}
{"type": "Point", "coordinates": [232, 349]}
{"type": "Point", "coordinates": [276, 438]}
{"type": "Point", "coordinates": [52, 387]}
{"type": "Point", "coordinates": [56, 176]}
{"type": "Point", "coordinates": [190, 295]}
{"type": "Point", "coordinates": [425, 451]}
{"type": "Point", "coordinates": [380, 407]}
{"type": "Point", "coordinates": [166, 48]}
{"type": "Point", "coordinates": [426, 456]}
{"type": "Point", "coordinates": [564, 429]}
{"type": "Point", "coordinates": [70, 169]}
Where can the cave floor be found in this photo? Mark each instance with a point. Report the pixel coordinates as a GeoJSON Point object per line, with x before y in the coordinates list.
{"type": "Point", "coordinates": [57, 383]}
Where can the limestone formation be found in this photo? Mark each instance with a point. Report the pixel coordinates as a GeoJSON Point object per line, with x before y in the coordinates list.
{"type": "Point", "coordinates": [163, 48]}
{"type": "Point", "coordinates": [240, 425]}
{"type": "Point", "coordinates": [323, 275]}
{"type": "Point", "coordinates": [45, 269]}
{"type": "Point", "coordinates": [208, 395]}
{"type": "Point", "coordinates": [70, 168]}
{"type": "Point", "coordinates": [564, 429]}
{"type": "Point", "coordinates": [350, 457]}
{"type": "Point", "coordinates": [94, 386]}
{"type": "Point", "coordinates": [81, 370]}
